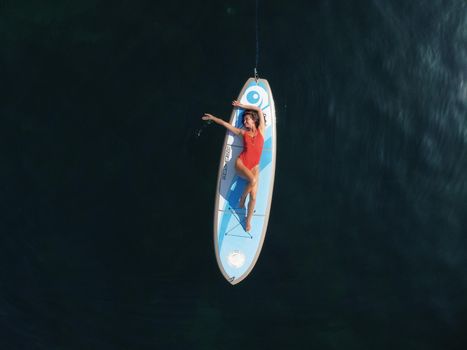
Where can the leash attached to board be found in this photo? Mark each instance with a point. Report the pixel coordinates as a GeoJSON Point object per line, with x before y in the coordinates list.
{"type": "Point", "coordinates": [256, 75]}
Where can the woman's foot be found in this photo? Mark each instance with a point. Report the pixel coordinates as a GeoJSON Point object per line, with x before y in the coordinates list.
{"type": "Point", "coordinates": [247, 227]}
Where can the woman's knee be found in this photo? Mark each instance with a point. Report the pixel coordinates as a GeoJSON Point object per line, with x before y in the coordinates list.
{"type": "Point", "coordinates": [253, 181]}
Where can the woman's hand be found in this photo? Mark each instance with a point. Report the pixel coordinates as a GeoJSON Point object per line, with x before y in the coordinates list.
{"type": "Point", "coordinates": [235, 103]}
{"type": "Point", "coordinates": [207, 116]}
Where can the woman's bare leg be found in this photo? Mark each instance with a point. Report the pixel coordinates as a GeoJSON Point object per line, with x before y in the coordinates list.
{"type": "Point", "coordinates": [249, 175]}
{"type": "Point", "coordinates": [249, 187]}
{"type": "Point", "coordinates": [251, 206]}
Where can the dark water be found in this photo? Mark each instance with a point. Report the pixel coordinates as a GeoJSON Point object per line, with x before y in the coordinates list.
{"type": "Point", "coordinates": [108, 175]}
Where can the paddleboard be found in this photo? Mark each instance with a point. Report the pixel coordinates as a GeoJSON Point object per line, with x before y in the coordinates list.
{"type": "Point", "coordinates": [236, 249]}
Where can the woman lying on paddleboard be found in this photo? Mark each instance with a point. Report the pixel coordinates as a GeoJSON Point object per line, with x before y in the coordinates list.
{"type": "Point", "coordinates": [247, 164]}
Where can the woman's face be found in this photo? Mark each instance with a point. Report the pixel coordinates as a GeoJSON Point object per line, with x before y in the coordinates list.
{"type": "Point", "coordinates": [248, 122]}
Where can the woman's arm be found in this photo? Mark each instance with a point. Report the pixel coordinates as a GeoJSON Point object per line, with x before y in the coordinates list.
{"type": "Point", "coordinates": [257, 109]}
{"type": "Point", "coordinates": [219, 121]}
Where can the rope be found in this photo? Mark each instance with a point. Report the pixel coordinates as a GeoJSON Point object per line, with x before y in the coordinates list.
{"type": "Point", "coordinates": [257, 42]}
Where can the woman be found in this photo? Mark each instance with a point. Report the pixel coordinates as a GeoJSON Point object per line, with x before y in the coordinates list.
{"type": "Point", "coordinates": [247, 164]}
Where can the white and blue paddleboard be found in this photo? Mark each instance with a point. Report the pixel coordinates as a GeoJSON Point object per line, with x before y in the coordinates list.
{"type": "Point", "coordinates": [236, 249]}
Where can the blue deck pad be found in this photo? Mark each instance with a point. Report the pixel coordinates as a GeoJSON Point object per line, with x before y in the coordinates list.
{"type": "Point", "coordinates": [237, 249]}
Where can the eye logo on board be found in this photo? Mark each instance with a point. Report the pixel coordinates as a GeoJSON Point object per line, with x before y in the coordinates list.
{"type": "Point", "coordinates": [253, 97]}
{"type": "Point", "coordinates": [256, 96]}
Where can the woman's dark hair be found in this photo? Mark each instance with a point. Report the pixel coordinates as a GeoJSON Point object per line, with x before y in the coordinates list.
{"type": "Point", "coordinates": [253, 115]}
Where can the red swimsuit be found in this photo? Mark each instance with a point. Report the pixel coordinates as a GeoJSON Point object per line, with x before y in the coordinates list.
{"type": "Point", "coordinates": [252, 148]}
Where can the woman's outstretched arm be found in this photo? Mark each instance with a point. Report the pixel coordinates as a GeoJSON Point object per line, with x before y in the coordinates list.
{"type": "Point", "coordinates": [219, 121]}
{"type": "Point", "coordinates": [257, 109]}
